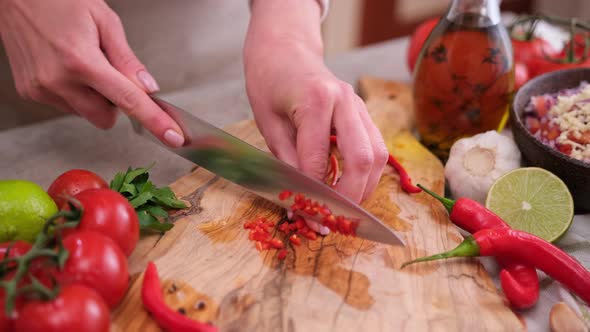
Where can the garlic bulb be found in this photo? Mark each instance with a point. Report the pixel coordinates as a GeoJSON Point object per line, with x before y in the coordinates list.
{"type": "Point", "coordinates": [476, 162]}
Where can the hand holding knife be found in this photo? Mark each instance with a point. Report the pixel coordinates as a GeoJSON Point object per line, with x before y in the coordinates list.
{"type": "Point", "coordinates": [259, 172]}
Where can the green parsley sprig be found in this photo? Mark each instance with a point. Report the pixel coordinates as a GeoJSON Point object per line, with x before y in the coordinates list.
{"type": "Point", "coordinates": [150, 202]}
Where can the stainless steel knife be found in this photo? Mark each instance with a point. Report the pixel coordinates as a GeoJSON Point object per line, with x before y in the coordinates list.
{"type": "Point", "coordinates": [259, 172]}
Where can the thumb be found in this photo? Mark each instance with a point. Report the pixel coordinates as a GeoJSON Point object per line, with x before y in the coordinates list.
{"type": "Point", "coordinates": [121, 57]}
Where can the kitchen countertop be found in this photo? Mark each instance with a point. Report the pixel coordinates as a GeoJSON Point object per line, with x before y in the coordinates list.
{"type": "Point", "coordinates": [42, 151]}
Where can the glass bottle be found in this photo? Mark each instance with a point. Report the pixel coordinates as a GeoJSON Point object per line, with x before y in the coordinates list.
{"type": "Point", "coordinates": [464, 76]}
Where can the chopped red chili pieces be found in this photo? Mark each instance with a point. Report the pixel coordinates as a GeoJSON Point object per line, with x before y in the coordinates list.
{"type": "Point", "coordinates": [307, 206]}
{"type": "Point", "coordinates": [294, 239]}
{"type": "Point", "coordinates": [330, 222]}
{"type": "Point", "coordinates": [311, 235]}
{"type": "Point", "coordinates": [285, 194]}
{"type": "Point", "coordinates": [299, 198]}
{"type": "Point", "coordinates": [282, 254]}
{"type": "Point", "coordinates": [261, 229]}
{"type": "Point", "coordinates": [324, 210]}
{"type": "Point", "coordinates": [277, 243]}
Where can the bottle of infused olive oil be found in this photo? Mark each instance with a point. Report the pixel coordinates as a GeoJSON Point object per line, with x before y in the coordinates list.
{"type": "Point", "coordinates": [464, 77]}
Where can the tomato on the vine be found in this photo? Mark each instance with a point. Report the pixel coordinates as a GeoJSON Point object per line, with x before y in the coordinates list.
{"type": "Point", "coordinates": [97, 262]}
{"type": "Point", "coordinates": [542, 58]}
{"type": "Point", "coordinates": [521, 74]}
{"type": "Point", "coordinates": [6, 322]}
{"type": "Point", "coordinates": [417, 41]}
{"type": "Point", "coordinates": [72, 183]}
{"type": "Point", "coordinates": [525, 50]}
{"type": "Point", "coordinates": [539, 66]}
{"type": "Point", "coordinates": [110, 213]}
{"type": "Point", "coordinates": [579, 44]}
{"type": "Point", "coordinates": [76, 308]}
{"type": "Point", "coordinates": [14, 249]}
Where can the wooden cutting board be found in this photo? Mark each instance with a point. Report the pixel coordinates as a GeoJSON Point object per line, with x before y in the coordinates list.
{"type": "Point", "coordinates": [213, 272]}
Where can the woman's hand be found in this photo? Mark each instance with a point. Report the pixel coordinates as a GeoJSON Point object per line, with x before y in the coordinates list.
{"type": "Point", "coordinates": [297, 101]}
{"type": "Point", "coordinates": [73, 54]}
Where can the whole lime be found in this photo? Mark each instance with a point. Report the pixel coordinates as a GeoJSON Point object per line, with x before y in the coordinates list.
{"type": "Point", "coordinates": [24, 208]}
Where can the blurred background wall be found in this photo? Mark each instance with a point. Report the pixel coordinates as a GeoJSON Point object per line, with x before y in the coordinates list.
{"type": "Point", "coordinates": [197, 43]}
{"type": "Point", "coordinates": [355, 23]}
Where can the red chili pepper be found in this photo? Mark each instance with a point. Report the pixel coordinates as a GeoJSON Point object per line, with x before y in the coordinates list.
{"type": "Point", "coordinates": [525, 248]}
{"type": "Point", "coordinates": [310, 234]}
{"type": "Point", "coordinates": [295, 240]}
{"type": "Point", "coordinates": [404, 178]}
{"type": "Point", "coordinates": [282, 254]}
{"type": "Point", "coordinates": [276, 243]}
{"type": "Point", "coordinates": [519, 282]}
{"type": "Point", "coordinates": [285, 194]}
{"type": "Point", "coordinates": [165, 317]}
{"type": "Point", "coordinates": [333, 172]}
{"type": "Point", "coordinates": [333, 139]}
{"type": "Point", "coordinates": [330, 222]}
{"type": "Point", "coordinates": [299, 198]}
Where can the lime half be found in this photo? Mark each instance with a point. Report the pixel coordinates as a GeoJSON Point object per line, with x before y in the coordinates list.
{"type": "Point", "coordinates": [24, 207]}
{"type": "Point", "coordinates": [533, 200]}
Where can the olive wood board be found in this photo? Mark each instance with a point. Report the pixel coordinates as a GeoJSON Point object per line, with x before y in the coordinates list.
{"type": "Point", "coordinates": [212, 272]}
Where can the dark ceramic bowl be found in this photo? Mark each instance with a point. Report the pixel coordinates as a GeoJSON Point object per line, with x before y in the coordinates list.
{"type": "Point", "coordinates": [575, 173]}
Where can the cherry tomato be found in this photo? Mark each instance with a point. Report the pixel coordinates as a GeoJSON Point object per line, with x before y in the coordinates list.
{"type": "Point", "coordinates": [17, 249]}
{"type": "Point", "coordinates": [521, 74]}
{"type": "Point", "coordinates": [76, 308]}
{"type": "Point", "coordinates": [72, 183]}
{"type": "Point", "coordinates": [525, 50]}
{"type": "Point", "coordinates": [6, 323]}
{"type": "Point", "coordinates": [97, 262]}
{"type": "Point", "coordinates": [110, 213]}
{"type": "Point", "coordinates": [14, 248]}
{"type": "Point", "coordinates": [417, 41]}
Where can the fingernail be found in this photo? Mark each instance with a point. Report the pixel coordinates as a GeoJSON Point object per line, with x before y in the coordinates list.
{"type": "Point", "coordinates": [173, 138]}
{"type": "Point", "coordinates": [149, 83]}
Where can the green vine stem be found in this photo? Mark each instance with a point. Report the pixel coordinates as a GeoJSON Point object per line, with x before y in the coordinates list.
{"type": "Point", "coordinates": [572, 25]}
{"type": "Point", "coordinates": [42, 247]}
{"type": "Point", "coordinates": [22, 267]}
{"type": "Point", "coordinates": [549, 19]}
{"type": "Point", "coordinates": [571, 50]}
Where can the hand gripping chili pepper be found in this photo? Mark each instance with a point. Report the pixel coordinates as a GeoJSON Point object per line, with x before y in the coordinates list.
{"type": "Point", "coordinates": [165, 317]}
{"type": "Point", "coordinates": [525, 248]}
{"type": "Point", "coordinates": [519, 282]}
{"type": "Point", "coordinates": [404, 178]}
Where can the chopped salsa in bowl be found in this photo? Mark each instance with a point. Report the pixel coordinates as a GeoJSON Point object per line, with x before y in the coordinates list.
{"type": "Point", "coordinates": [562, 120]}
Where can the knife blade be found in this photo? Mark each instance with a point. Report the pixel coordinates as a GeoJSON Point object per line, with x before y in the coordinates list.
{"type": "Point", "coordinates": [259, 172]}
